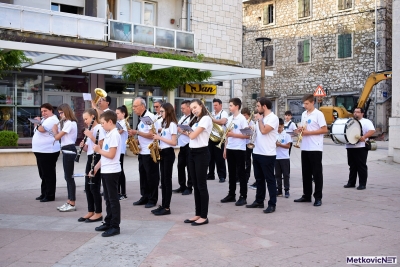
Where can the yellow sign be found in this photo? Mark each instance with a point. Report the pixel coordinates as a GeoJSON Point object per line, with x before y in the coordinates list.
{"type": "Point", "coordinates": [204, 89]}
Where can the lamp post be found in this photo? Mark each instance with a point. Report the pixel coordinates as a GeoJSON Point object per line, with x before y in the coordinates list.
{"type": "Point", "coordinates": [261, 42]}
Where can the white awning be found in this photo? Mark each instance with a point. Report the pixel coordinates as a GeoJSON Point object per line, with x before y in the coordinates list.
{"type": "Point", "coordinates": [56, 58]}
{"type": "Point", "coordinates": [218, 72]}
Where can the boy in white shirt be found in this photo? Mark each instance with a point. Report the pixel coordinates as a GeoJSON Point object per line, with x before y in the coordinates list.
{"type": "Point", "coordinates": [110, 172]}
{"type": "Point", "coordinates": [289, 126]}
{"type": "Point", "coordinates": [282, 163]}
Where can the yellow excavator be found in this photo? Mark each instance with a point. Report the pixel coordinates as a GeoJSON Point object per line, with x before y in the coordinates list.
{"type": "Point", "coordinates": [332, 113]}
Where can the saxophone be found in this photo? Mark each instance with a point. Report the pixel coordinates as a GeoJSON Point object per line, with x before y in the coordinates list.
{"type": "Point", "coordinates": [131, 141]}
{"type": "Point", "coordinates": [154, 147]}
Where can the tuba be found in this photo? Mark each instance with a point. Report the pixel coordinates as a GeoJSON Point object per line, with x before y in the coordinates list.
{"type": "Point", "coordinates": [154, 147]}
{"type": "Point", "coordinates": [99, 94]}
{"type": "Point", "coordinates": [216, 127]}
{"type": "Point", "coordinates": [131, 141]}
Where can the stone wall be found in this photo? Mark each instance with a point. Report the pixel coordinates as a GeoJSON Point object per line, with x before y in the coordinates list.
{"type": "Point", "coordinates": [292, 80]}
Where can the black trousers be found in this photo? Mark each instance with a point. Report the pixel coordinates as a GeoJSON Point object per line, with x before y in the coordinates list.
{"type": "Point", "coordinates": [216, 158]}
{"type": "Point", "coordinates": [357, 160]}
{"type": "Point", "coordinates": [113, 208]}
{"type": "Point", "coordinates": [166, 165]}
{"type": "Point", "coordinates": [247, 170]}
{"type": "Point", "coordinates": [198, 162]}
{"type": "Point", "coordinates": [264, 173]}
{"type": "Point", "coordinates": [69, 165]}
{"type": "Point", "coordinates": [122, 178]}
{"type": "Point", "coordinates": [236, 162]}
{"type": "Point", "coordinates": [149, 173]}
{"type": "Point", "coordinates": [46, 163]}
{"type": "Point", "coordinates": [311, 167]}
{"type": "Point", "coordinates": [282, 167]}
{"type": "Point", "coordinates": [93, 195]}
{"type": "Point", "coordinates": [183, 162]}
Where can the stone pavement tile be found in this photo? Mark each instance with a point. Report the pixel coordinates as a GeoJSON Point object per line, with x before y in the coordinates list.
{"type": "Point", "coordinates": [30, 264]}
{"type": "Point", "coordinates": [257, 243]}
{"type": "Point", "coordinates": [36, 238]}
{"type": "Point", "coordinates": [167, 260]}
{"type": "Point", "coordinates": [81, 260]}
{"type": "Point", "coordinates": [9, 255]}
{"type": "Point", "coordinates": [120, 261]}
{"type": "Point", "coordinates": [44, 256]}
{"type": "Point", "coordinates": [230, 235]}
{"type": "Point", "coordinates": [10, 235]}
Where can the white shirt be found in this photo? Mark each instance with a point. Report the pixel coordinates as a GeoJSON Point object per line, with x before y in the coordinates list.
{"type": "Point", "coordinates": [112, 139]}
{"type": "Point", "coordinates": [71, 130]}
{"type": "Point", "coordinates": [43, 142]}
{"type": "Point", "coordinates": [251, 125]}
{"type": "Point", "coordinates": [144, 142]}
{"type": "Point", "coordinates": [220, 115]}
{"type": "Point", "coordinates": [89, 141]}
{"type": "Point", "coordinates": [124, 135]}
{"type": "Point", "coordinates": [265, 144]}
{"type": "Point", "coordinates": [284, 138]}
{"type": "Point", "coordinates": [240, 123]}
{"type": "Point", "coordinates": [202, 139]}
{"type": "Point", "coordinates": [167, 133]}
{"type": "Point", "coordinates": [290, 126]}
{"type": "Point", "coordinates": [158, 122]}
{"type": "Point", "coordinates": [313, 121]}
{"type": "Point", "coordinates": [183, 140]}
{"type": "Point", "coordinates": [366, 125]}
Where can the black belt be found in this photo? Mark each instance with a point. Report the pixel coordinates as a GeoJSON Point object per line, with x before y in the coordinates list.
{"type": "Point", "coordinates": [68, 146]}
{"type": "Point", "coordinates": [185, 145]}
{"type": "Point", "coordinates": [165, 149]}
{"type": "Point", "coordinates": [199, 148]}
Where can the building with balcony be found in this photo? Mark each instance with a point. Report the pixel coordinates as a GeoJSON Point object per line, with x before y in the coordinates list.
{"type": "Point", "coordinates": [332, 43]}
{"type": "Point", "coordinates": [124, 27]}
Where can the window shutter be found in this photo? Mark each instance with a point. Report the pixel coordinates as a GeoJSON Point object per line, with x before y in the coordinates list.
{"type": "Point", "coordinates": [271, 14]}
{"type": "Point", "coordinates": [341, 4]}
{"type": "Point", "coordinates": [300, 52]}
{"type": "Point", "coordinates": [306, 50]}
{"type": "Point", "coordinates": [347, 45]}
{"type": "Point", "coordinates": [270, 55]}
{"type": "Point", "coordinates": [307, 8]}
{"type": "Point", "coordinates": [340, 47]}
{"type": "Point", "coordinates": [301, 8]}
{"type": "Point", "coordinates": [349, 3]}
{"type": "Point", "coordinates": [265, 15]}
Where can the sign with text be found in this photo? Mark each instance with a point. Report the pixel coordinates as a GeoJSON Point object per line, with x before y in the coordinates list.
{"type": "Point", "coordinates": [204, 89]}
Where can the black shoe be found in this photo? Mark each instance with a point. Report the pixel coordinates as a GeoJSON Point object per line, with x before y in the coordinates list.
{"type": "Point", "coordinates": [278, 193]}
{"type": "Point", "coordinates": [46, 199]}
{"type": "Point", "coordinates": [228, 198]}
{"type": "Point", "coordinates": [95, 220]}
{"type": "Point", "coordinates": [103, 227]}
{"type": "Point", "coordinates": [361, 187]}
{"type": "Point", "coordinates": [270, 209]}
{"type": "Point", "coordinates": [187, 192]}
{"type": "Point", "coordinates": [149, 205]}
{"type": "Point", "coordinates": [222, 180]}
{"type": "Point", "coordinates": [241, 201]}
{"type": "Point", "coordinates": [255, 205]}
{"type": "Point", "coordinates": [81, 219]}
{"type": "Point", "coordinates": [111, 232]}
{"type": "Point", "coordinates": [157, 209]}
{"type": "Point", "coordinates": [162, 212]}
{"type": "Point", "coordinates": [349, 186]}
{"type": "Point", "coordinates": [188, 221]}
{"type": "Point", "coordinates": [317, 203]}
{"type": "Point", "coordinates": [302, 199]}
{"type": "Point", "coordinates": [141, 201]}
{"type": "Point", "coordinates": [179, 190]}
{"type": "Point", "coordinates": [209, 177]}
{"type": "Point", "coordinates": [39, 197]}
{"type": "Point", "coordinates": [197, 224]}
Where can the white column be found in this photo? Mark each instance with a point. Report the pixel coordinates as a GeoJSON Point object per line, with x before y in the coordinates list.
{"type": "Point", "coordinates": [171, 97]}
{"type": "Point", "coordinates": [394, 120]}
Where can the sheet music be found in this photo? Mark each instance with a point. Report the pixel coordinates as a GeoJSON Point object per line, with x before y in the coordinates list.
{"type": "Point", "coordinates": [87, 96]}
{"type": "Point", "coordinates": [185, 128]}
{"type": "Point", "coordinates": [146, 120]}
{"type": "Point", "coordinates": [246, 131]}
{"type": "Point", "coordinates": [34, 121]}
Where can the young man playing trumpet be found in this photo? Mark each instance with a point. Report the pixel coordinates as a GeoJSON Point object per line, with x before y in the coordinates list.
{"type": "Point", "coordinates": [235, 153]}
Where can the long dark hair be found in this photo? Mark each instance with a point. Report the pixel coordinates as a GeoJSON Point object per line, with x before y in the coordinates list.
{"type": "Point", "coordinates": [170, 115]}
{"type": "Point", "coordinates": [202, 113]}
{"type": "Point", "coordinates": [124, 110]}
{"type": "Point", "coordinates": [68, 113]}
{"type": "Point", "coordinates": [92, 112]}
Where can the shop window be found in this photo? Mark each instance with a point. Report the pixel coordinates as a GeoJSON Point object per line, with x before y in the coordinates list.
{"type": "Point", "coordinates": [65, 83]}
{"type": "Point", "coordinates": [66, 8]}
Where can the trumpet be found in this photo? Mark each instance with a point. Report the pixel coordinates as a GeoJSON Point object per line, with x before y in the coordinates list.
{"type": "Point", "coordinates": [300, 136]}
{"type": "Point", "coordinates": [223, 138]}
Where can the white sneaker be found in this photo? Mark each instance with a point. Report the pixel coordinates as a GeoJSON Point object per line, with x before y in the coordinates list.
{"type": "Point", "coordinates": [62, 206]}
{"type": "Point", "coordinates": [68, 208]}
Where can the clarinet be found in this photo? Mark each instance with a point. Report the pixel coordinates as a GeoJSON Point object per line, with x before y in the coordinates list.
{"type": "Point", "coordinates": [94, 157]}
{"type": "Point", "coordinates": [84, 141]}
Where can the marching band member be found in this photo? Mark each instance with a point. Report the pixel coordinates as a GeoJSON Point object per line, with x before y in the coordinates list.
{"type": "Point", "coordinates": [183, 156]}
{"type": "Point", "coordinates": [216, 155]}
{"type": "Point", "coordinates": [282, 163]}
{"type": "Point", "coordinates": [199, 157]}
{"type": "Point", "coordinates": [67, 132]}
{"type": "Point", "coordinates": [235, 153]}
{"type": "Point", "coordinates": [167, 154]}
{"type": "Point", "coordinates": [148, 169]}
{"type": "Point", "coordinates": [122, 114]}
{"type": "Point", "coordinates": [264, 154]}
{"type": "Point", "coordinates": [249, 151]}
{"type": "Point", "coordinates": [92, 184]}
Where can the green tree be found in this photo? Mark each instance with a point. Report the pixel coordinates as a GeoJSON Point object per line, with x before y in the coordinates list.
{"type": "Point", "coordinates": [12, 60]}
{"type": "Point", "coordinates": [169, 78]}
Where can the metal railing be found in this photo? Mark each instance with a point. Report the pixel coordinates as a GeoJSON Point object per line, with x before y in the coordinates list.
{"type": "Point", "coordinates": [126, 32]}
{"type": "Point", "coordinates": [44, 21]}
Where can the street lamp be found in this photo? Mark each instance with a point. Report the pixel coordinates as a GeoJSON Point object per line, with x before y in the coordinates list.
{"type": "Point", "coordinates": [261, 42]}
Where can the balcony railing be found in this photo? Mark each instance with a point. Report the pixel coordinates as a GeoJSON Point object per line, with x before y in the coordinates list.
{"type": "Point", "coordinates": [44, 21]}
{"type": "Point", "coordinates": [132, 33]}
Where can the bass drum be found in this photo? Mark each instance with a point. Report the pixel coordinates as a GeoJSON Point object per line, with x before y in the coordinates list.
{"type": "Point", "coordinates": [346, 131]}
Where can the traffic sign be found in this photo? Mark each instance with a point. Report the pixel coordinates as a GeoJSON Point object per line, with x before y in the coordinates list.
{"type": "Point", "coordinates": [319, 91]}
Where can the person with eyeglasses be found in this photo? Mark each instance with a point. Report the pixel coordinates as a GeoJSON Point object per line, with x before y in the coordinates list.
{"type": "Point", "coordinates": [102, 105]}
{"type": "Point", "coordinates": [157, 107]}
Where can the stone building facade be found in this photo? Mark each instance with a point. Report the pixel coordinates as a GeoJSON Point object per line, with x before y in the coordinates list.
{"type": "Point", "coordinates": [319, 42]}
